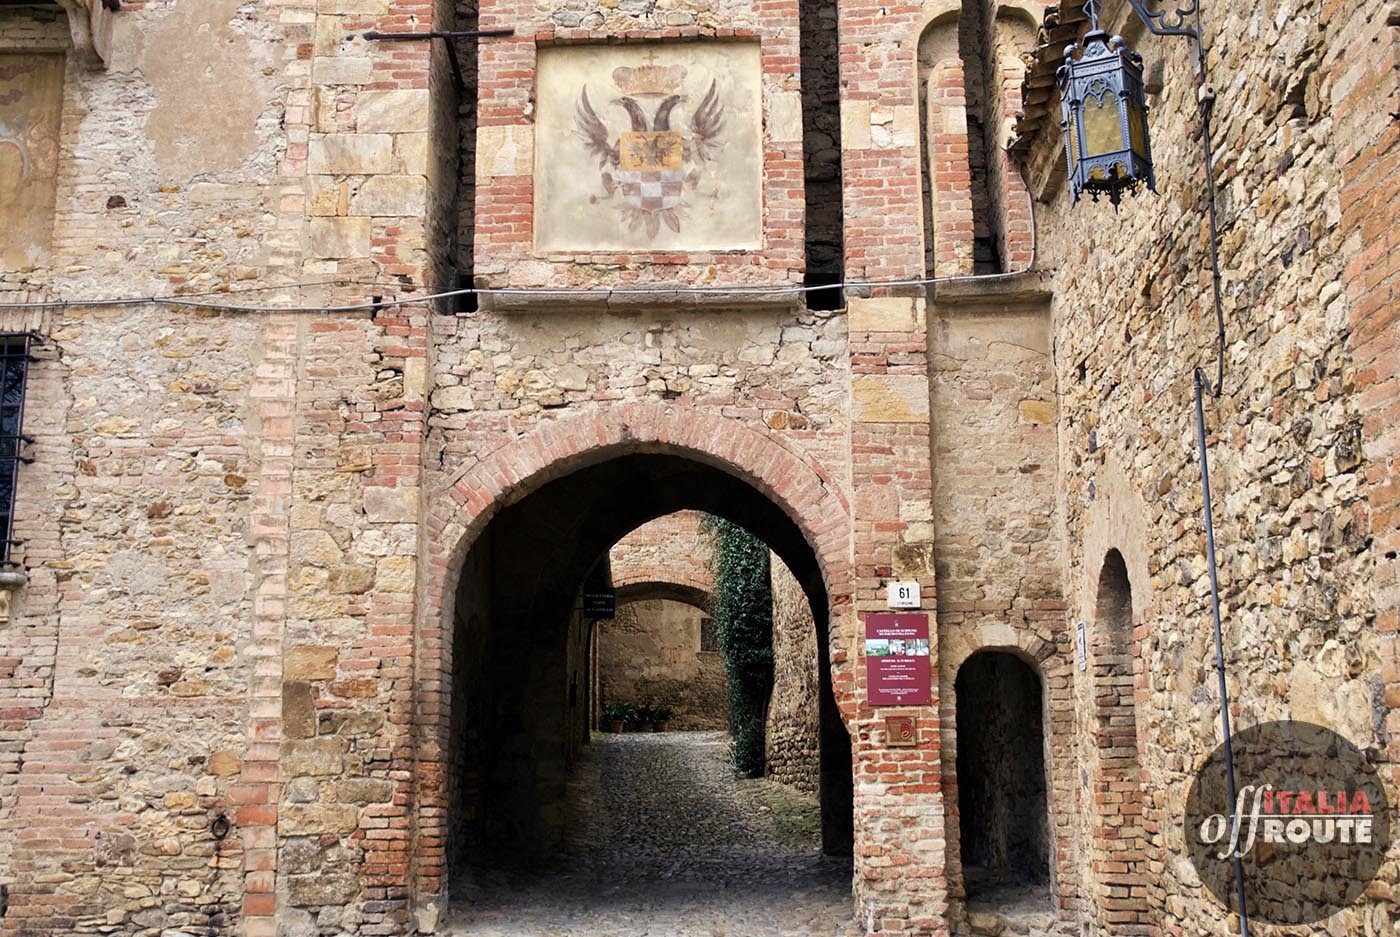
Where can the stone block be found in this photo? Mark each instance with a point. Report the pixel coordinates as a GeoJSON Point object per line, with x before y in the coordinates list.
{"type": "Point", "coordinates": [316, 548]}
{"type": "Point", "coordinates": [300, 856]}
{"type": "Point", "coordinates": [913, 561]}
{"type": "Point", "coordinates": [391, 505]}
{"type": "Point", "coordinates": [310, 662]}
{"type": "Point", "coordinates": [350, 723]}
{"type": "Point", "coordinates": [855, 124]}
{"type": "Point", "coordinates": [311, 757]}
{"type": "Point", "coordinates": [323, 889]}
{"type": "Point", "coordinates": [886, 314]}
{"type": "Point", "coordinates": [314, 819]}
{"type": "Point", "coordinates": [341, 154]}
{"type": "Point", "coordinates": [785, 117]}
{"type": "Point", "coordinates": [341, 70]}
{"type": "Point", "coordinates": [402, 110]}
{"type": "Point", "coordinates": [351, 580]}
{"type": "Point", "coordinates": [336, 238]}
{"type": "Point", "coordinates": [415, 379]}
{"type": "Point", "coordinates": [504, 150]}
{"type": "Point", "coordinates": [391, 195]}
{"type": "Point", "coordinates": [298, 710]}
{"type": "Point", "coordinates": [316, 607]}
{"type": "Point", "coordinates": [452, 398]}
{"type": "Point", "coordinates": [890, 398]}
{"type": "Point", "coordinates": [224, 763]}
{"type": "Point", "coordinates": [411, 152]}
{"type": "Point", "coordinates": [354, 459]}
{"type": "Point", "coordinates": [396, 574]}
{"type": "Point", "coordinates": [365, 791]}
{"type": "Point", "coordinates": [357, 688]}
{"type": "Point", "coordinates": [1037, 411]}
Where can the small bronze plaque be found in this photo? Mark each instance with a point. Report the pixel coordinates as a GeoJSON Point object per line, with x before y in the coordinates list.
{"type": "Point", "coordinates": [901, 732]}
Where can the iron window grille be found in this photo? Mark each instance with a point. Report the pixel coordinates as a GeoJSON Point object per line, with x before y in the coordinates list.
{"type": "Point", "coordinates": [14, 372]}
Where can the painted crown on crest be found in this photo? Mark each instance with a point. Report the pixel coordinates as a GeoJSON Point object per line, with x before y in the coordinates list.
{"type": "Point", "coordinates": [649, 79]}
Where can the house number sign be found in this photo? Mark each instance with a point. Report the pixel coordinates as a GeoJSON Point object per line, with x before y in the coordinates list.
{"type": "Point", "coordinates": [903, 595]}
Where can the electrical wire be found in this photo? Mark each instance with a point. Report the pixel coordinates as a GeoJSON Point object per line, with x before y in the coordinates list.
{"type": "Point", "coordinates": [190, 300]}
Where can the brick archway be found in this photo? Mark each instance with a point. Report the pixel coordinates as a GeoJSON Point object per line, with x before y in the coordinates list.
{"type": "Point", "coordinates": [802, 491]}
{"type": "Point", "coordinates": [695, 594]}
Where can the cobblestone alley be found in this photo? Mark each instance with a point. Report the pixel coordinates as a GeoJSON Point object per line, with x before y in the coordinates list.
{"type": "Point", "coordinates": [666, 842]}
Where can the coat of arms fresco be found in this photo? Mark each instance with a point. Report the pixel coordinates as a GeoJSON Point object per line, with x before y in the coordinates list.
{"type": "Point", "coordinates": [31, 99]}
{"type": "Point", "coordinates": [659, 148]}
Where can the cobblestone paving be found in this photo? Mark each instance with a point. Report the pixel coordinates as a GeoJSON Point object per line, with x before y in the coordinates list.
{"type": "Point", "coordinates": [666, 842]}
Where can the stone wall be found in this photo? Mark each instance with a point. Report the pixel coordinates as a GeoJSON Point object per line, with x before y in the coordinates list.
{"type": "Point", "coordinates": [793, 733]}
{"type": "Point", "coordinates": [245, 528]}
{"type": "Point", "coordinates": [650, 653]}
{"type": "Point", "coordinates": [1301, 554]}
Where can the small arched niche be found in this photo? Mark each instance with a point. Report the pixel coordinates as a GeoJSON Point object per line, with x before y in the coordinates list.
{"type": "Point", "coordinates": [1004, 830]}
{"type": "Point", "coordinates": [1119, 841]}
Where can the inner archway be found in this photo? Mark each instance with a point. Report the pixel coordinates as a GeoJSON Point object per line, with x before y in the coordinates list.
{"type": "Point", "coordinates": [521, 698]}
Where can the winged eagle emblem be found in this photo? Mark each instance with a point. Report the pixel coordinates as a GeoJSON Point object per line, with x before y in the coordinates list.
{"type": "Point", "coordinates": [651, 166]}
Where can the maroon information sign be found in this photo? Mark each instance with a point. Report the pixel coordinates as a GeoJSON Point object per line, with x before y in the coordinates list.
{"type": "Point", "coordinates": [897, 660]}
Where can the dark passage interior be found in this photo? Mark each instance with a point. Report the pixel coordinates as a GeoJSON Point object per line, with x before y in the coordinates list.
{"type": "Point", "coordinates": [1004, 833]}
{"type": "Point", "coordinates": [521, 694]}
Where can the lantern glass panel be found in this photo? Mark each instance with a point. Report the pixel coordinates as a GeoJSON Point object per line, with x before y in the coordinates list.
{"type": "Point", "coordinates": [1072, 134]}
{"type": "Point", "coordinates": [1137, 127]}
{"type": "Point", "coordinates": [1103, 128]}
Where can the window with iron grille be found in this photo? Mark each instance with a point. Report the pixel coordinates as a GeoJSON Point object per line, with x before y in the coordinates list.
{"type": "Point", "coordinates": [14, 370]}
{"type": "Point", "coordinates": [709, 635]}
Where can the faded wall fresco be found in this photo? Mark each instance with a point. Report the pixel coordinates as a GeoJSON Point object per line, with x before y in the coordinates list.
{"type": "Point", "coordinates": [31, 102]}
{"type": "Point", "coordinates": [649, 146]}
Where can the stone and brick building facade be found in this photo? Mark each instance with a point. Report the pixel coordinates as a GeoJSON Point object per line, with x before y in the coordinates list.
{"type": "Point", "coordinates": [300, 632]}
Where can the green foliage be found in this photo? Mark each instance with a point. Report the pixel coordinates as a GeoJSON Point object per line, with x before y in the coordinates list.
{"type": "Point", "coordinates": [620, 712]}
{"type": "Point", "coordinates": [650, 712]}
{"type": "Point", "coordinates": [743, 612]}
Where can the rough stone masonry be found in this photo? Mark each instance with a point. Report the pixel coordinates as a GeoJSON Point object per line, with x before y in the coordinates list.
{"type": "Point", "coordinates": [286, 519]}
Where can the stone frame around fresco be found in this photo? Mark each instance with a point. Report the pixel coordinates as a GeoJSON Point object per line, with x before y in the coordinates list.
{"type": "Point", "coordinates": [506, 255]}
{"type": "Point", "coordinates": [587, 206]}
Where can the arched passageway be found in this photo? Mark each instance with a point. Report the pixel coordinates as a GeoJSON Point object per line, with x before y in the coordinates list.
{"type": "Point", "coordinates": [521, 695]}
{"type": "Point", "coordinates": [1002, 804]}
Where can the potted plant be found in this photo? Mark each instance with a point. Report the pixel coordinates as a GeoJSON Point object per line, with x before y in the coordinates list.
{"type": "Point", "coordinates": [661, 717]}
{"type": "Point", "coordinates": [646, 722]}
{"type": "Point", "coordinates": [615, 716]}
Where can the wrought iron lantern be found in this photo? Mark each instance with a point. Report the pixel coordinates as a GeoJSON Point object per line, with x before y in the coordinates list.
{"type": "Point", "coordinates": [1105, 116]}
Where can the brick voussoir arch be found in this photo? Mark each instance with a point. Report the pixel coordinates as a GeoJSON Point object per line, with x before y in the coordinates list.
{"type": "Point", "coordinates": [805, 491]}
{"type": "Point", "coordinates": [642, 590]}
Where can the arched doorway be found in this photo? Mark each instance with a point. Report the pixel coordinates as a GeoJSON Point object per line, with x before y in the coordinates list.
{"type": "Point", "coordinates": [1004, 831]}
{"type": "Point", "coordinates": [517, 659]}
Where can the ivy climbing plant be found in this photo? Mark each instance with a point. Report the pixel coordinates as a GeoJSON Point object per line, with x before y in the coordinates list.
{"type": "Point", "coordinates": [743, 613]}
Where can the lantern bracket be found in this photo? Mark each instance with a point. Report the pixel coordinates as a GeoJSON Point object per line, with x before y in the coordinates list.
{"type": "Point", "coordinates": [1168, 22]}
